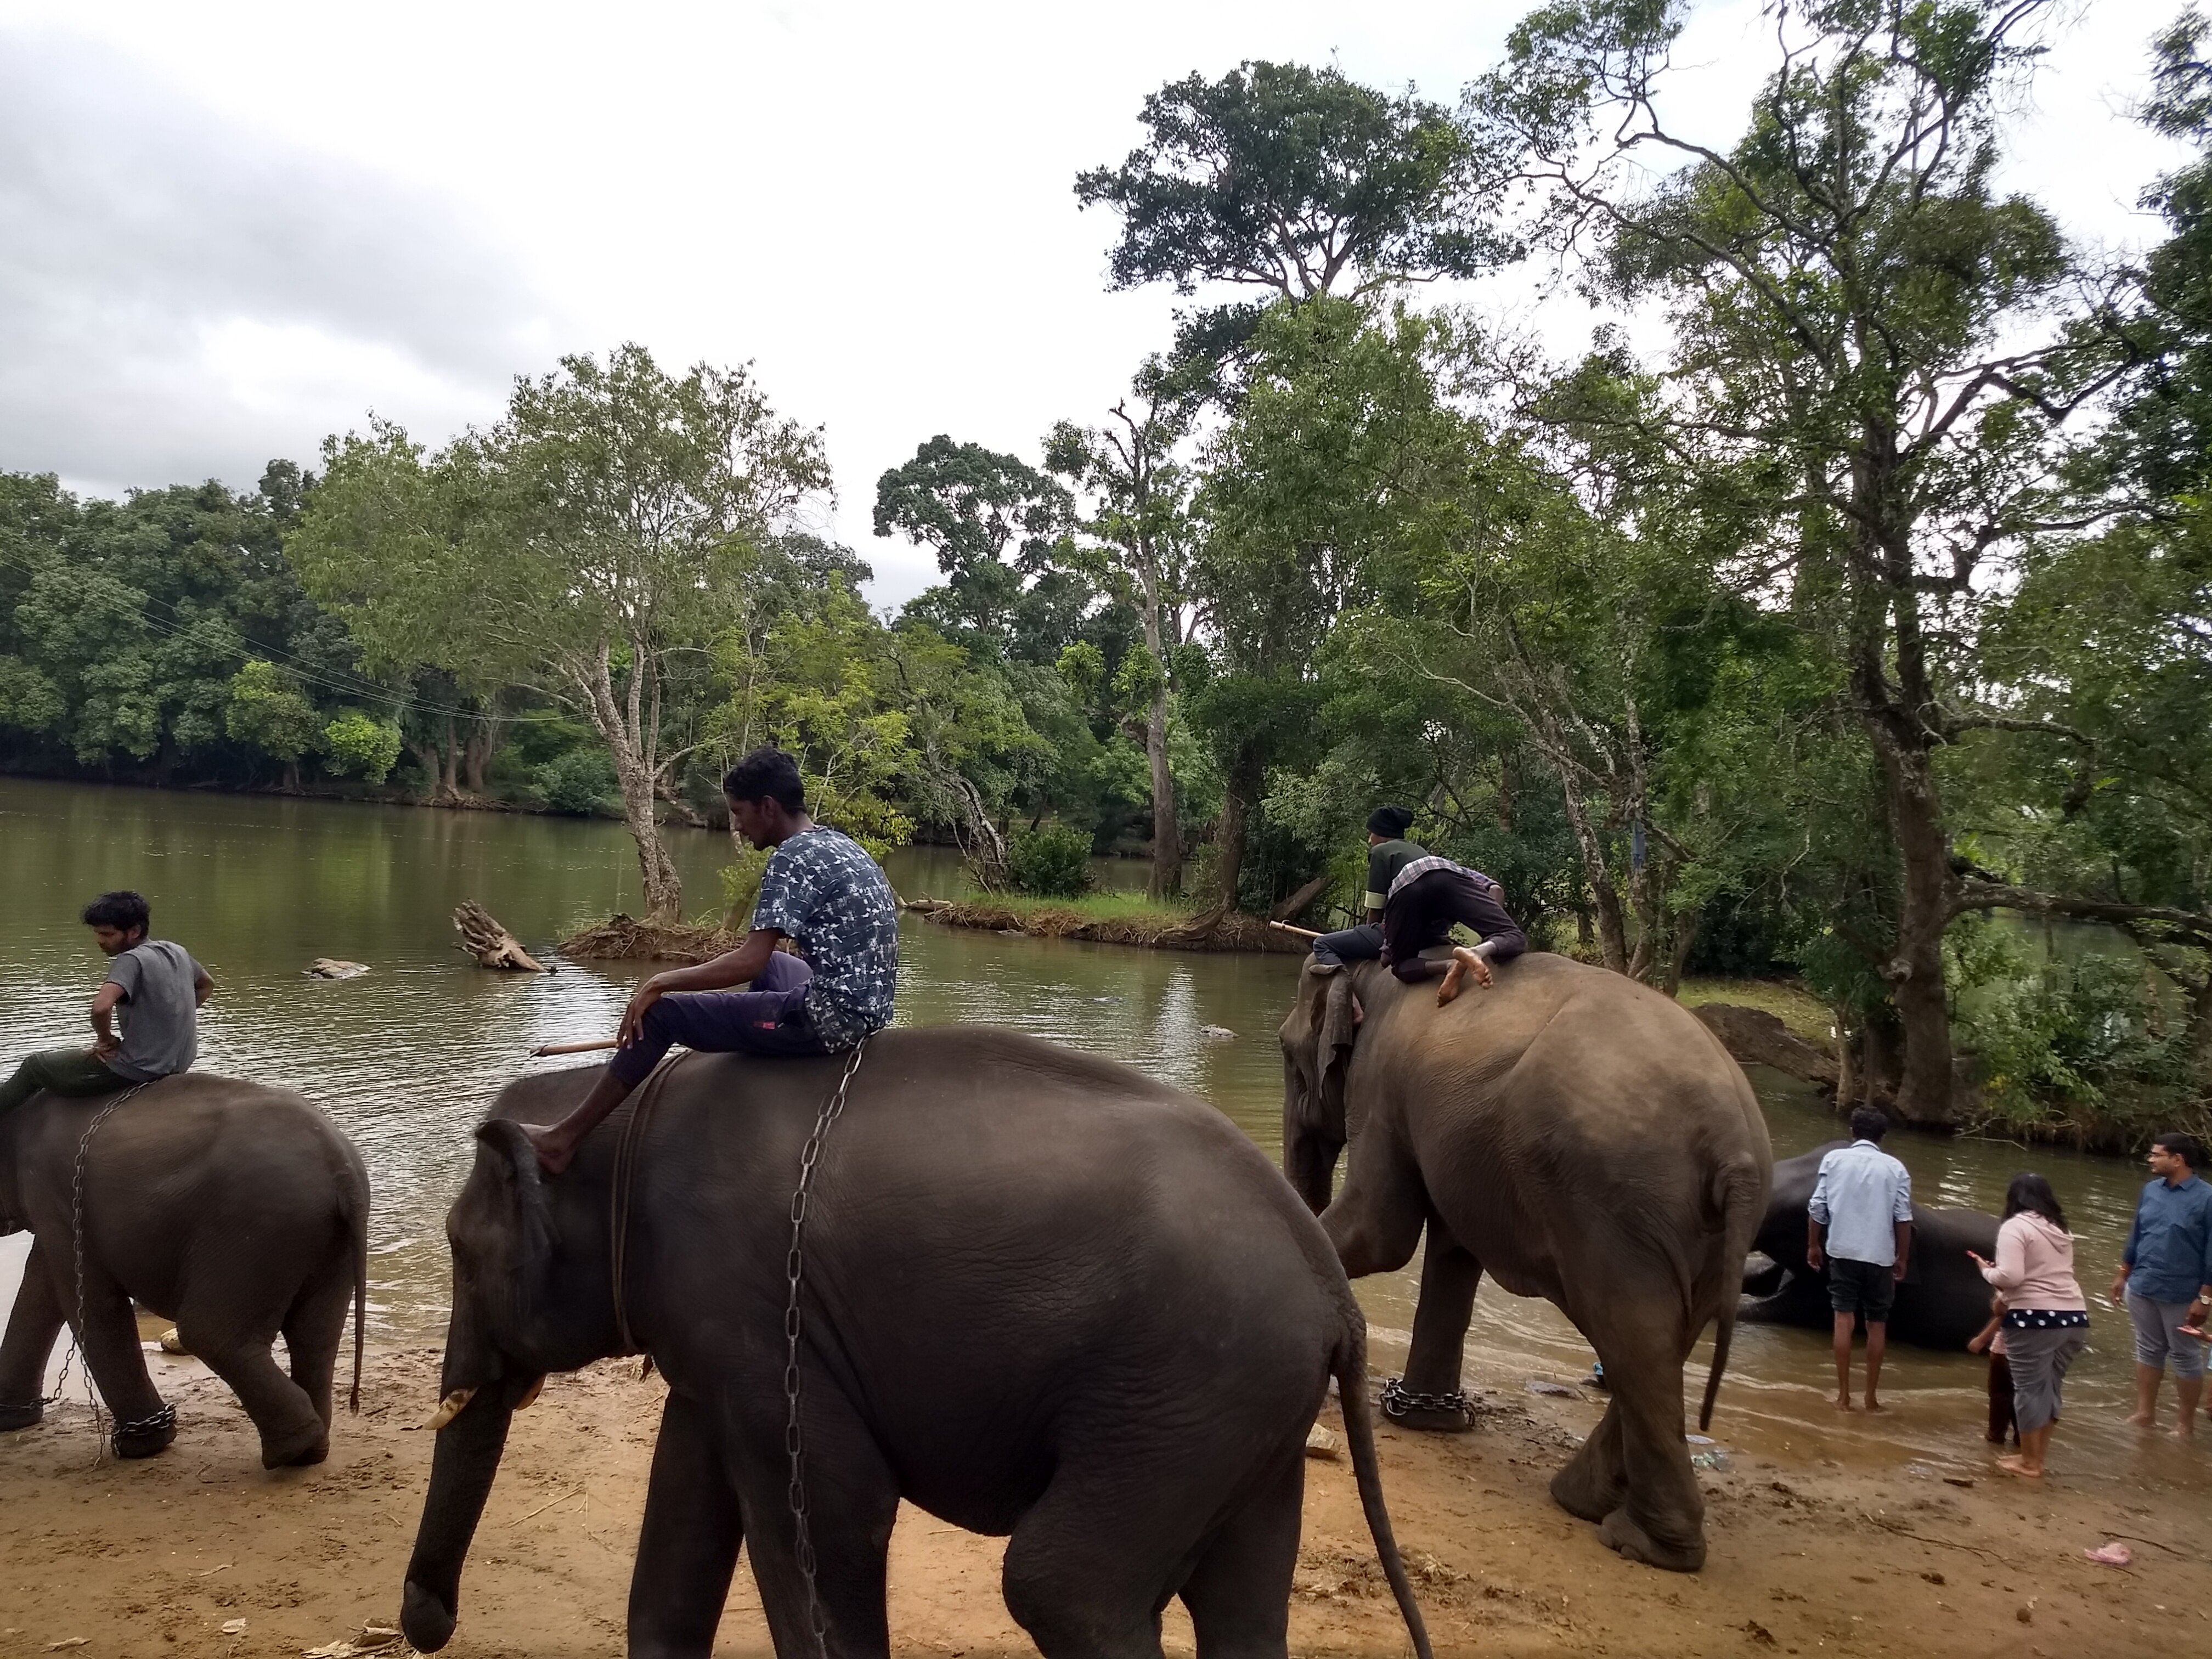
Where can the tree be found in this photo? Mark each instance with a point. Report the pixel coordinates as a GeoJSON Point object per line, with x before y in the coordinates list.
{"type": "Point", "coordinates": [1860, 323]}
{"type": "Point", "coordinates": [266, 710]}
{"type": "Point", "coordinates": [1299, 182]}
{"type": "Point", "coordinates": [362, 746]}
{"type": "Point", "coordinates": [971, 506]}
{"type": "Point", "coordinates": [1140, 529]}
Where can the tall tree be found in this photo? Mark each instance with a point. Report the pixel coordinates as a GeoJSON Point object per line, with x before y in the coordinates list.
{"type": "Point", "coordinates": [994, 523]}
{"type": "Point", "coordinates": [1299, 182]}
{"type": "Point", "coordinates": [1857, 311]}
{"type": "Point", "coordinates": [1140, 526]}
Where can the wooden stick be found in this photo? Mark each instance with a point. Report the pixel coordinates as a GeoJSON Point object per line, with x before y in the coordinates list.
{"type": "Point", "coordinates": [574, 1048]}
{"type": "Point", "coordinates": [1285, 928]}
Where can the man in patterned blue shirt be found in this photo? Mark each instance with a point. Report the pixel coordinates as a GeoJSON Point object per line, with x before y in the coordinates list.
{"type": "Point", "coordinates": [821, 891]}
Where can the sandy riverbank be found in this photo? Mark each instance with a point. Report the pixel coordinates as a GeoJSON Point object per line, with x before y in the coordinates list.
{"type": "Point", "coordinates": [156, 1557]}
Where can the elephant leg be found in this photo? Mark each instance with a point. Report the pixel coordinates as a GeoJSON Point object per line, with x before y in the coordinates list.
{"type": "Point", "coordinates": [32, 1324]}
{"type": "Point", "coordinates": [852, 1499]}
{"type": "Point", "coordinates": [1450, 1276]}
{"type": "Point", "coordinates": [219, 1325]}
{"type": "Point", "coordinates": [110, 1336]}
{"type": "Point", "coordinates": [314, 1330]}
{"type": "Point", "coordinates": [688, 1546]}
{"type": "Point", "coordinates": [1633, 1474]}
{"type": "Point", "coordinates": [1239, 1594]}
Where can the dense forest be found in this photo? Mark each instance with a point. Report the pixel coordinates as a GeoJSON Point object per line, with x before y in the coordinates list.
{"type": "Point", "coordinates": [1848, 601]}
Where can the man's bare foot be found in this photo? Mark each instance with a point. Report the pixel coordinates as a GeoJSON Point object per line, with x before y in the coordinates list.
{"type": "Point", "coordinates": [1358, 1013]}
{"type": "Point", "coordinates": [554, 1152]}
{"type": "Point", "coordinates": [2139, 1419]}
{"type": "Point", "coordinates": [1464, 962]}
{"type": "Point", "coordinates": [2185, 1430]}
{"type": "Point", "coordinates": [1844, 1403]}
{"type": "Point", "coordinates": [2021, 1467]}
{"type": "Point", "coordinates": [1874, 1404]}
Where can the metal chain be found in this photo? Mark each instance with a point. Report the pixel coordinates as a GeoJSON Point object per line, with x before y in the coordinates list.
{"type": "Point", "coordinates": [1398, 1400]}
{"type": "Point", "coordinates": [794, 1272]}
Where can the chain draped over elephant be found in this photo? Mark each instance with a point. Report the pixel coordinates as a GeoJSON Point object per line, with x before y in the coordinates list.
{"type": "Point", "coordinates": [1577, 1136]}
{"type": "Point", "coordinates": [1941, 1301]}
{"type": "Point", "coordinates": [237, 1211]}
{"type": "Point", "coordinates": [1044, 1297]}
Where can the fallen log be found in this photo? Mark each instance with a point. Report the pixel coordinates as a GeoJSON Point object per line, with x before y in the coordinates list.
{"type": "Point", "coordinates": [489, 943]}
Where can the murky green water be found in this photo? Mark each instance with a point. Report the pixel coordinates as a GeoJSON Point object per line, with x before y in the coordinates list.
{"type": "Point", "coordinates": [406, 1057]}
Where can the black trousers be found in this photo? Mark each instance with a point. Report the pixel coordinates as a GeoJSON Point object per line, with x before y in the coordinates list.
{"type": "Point", "coordinates": [1421, 914]}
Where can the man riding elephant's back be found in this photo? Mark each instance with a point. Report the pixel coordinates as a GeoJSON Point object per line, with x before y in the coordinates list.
{"type": "Point", "coordinates": [823, 892]}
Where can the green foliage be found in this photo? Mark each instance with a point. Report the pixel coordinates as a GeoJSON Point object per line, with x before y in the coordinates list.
{"type": "Point", "coordinates": [2084, 1033]}
{"type": "Point", "coordinates": [266, 710]}
{"type": "Point", "coordinates": [359, 746]}
{"type": "Point", "coordinates": [741, 881]}
{"type": "Point", "coordinates": [1052, 860]}
{"type": "Point", "coordinates": [580, 783]}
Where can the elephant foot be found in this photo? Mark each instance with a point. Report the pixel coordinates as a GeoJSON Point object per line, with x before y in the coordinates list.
{"type": "Point", "coordinates": [1432, 1414]}
{"type": "Point", "coordinates": [1618, 1532]}
{"type": "Point", "coordinates": [147, 1436]}
{"type": "Point", "coordinates": [296, 1451]}
{"type": "Point", "coordinates": [20, 1417]}
{"type": "Point", "coordinates": [1573, 1495]}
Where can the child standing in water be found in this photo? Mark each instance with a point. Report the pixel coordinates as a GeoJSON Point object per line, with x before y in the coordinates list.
{"type": "Point", "coordinates": [2003, 1422]}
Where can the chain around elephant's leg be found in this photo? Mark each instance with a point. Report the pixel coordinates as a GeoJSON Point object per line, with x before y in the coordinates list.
{"type": "Point", "coordinates": [1429, 1395]}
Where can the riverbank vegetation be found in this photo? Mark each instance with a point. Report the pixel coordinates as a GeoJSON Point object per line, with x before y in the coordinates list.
{"type": "Point", "coordinates": [1845, 609]}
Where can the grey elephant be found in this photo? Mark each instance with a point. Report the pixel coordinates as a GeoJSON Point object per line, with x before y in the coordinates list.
{"type": "Point", "coordinates": [1941, 1301]}
{"type": "Point", "coordinates": [1043, 1298]}
{"type": "Point", "coordinates": [1580, 1138]}
{"type": "Point", "coordinates": [237, 1211]}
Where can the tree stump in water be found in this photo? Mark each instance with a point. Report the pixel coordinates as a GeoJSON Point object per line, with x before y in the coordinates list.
{"type": "Point", "coordinates": [490, 943]}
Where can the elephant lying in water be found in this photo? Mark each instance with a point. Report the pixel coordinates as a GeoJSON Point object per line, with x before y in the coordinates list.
{"type": "Point", "coordinates": [238, 1211]}
{"type": "Point", "coordinates": [1578, 1136]}
{"type": "Point", "coordinates": [1043, 1296]}
{"type": "Point", "coordinates": [1941, 1301]}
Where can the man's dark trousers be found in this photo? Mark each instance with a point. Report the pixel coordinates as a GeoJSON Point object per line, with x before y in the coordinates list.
{"type": "Point", "coordinates": [770, 1018]}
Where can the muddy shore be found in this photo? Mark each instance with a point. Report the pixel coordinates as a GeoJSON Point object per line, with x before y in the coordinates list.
{"type": "Point", "coordinates": [158, 1557]}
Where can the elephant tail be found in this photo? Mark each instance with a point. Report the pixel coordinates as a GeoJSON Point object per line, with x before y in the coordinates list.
{"type": "Point", "coordinates": [1742, 1201]}
{"type": "Point", "coordinates": [355, 1205]}
{"type": "Point", "coordinates": [1350, 1368]}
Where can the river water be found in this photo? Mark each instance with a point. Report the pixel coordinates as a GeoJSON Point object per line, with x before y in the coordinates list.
{"type": "Point", "coordinates": [406, 1056]}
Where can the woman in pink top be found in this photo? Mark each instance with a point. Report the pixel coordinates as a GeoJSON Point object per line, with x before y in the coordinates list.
{"type": "Point", "coordinates": [2046, 1317]}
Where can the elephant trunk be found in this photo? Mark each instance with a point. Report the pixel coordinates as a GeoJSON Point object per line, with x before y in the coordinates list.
{"type": "Point", "coordinates": [461, 1471]}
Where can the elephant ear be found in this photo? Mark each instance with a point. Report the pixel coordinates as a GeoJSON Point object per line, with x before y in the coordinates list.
{"type": "Point", "coordinates": [1340, 1030]}
{"type": "Point", "coordinates": [521, 1191]}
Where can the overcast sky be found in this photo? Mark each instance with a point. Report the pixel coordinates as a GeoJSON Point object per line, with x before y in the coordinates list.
{"type": "Point", "coordinates": [227, 230]}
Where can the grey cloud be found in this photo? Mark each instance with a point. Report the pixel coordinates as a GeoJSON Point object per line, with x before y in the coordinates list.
{"type": "Point", "coordinates": [134, 222]}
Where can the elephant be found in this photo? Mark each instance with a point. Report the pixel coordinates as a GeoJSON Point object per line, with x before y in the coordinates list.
{"type": "Point", "coordinates": [1578, 1136]}
{"type": "Point", "coordinates": [1042, 1297]}
{"type": "Point", "coordinates": [235, 1210]}
{"type": "Point", "coordinates": [1941, 1301]}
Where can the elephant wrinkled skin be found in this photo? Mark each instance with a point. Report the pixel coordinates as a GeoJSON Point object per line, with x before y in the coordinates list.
{"type": "Point", "coordinates": [236, 1210]}
{"type": "Point", "coordinates": [1941, 1301]}
{"type": "Point", "coordinates": [1043, 1296]}
{"type": "Point", "coordinates": [1580, 1138]}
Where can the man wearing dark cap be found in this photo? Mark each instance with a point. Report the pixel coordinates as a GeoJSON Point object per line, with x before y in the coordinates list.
{"type": "Point", "coordinates": [1413, 896]}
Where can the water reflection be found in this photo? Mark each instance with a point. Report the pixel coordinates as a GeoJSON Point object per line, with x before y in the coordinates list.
{"type": "Point", "coordinates": [406, 1057]}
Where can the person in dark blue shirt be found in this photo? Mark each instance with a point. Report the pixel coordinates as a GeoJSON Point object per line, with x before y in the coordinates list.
{"type": "Point", "coordinates": [823, 892]}
{"type": "Point", "coordinates": [2165, 1279]}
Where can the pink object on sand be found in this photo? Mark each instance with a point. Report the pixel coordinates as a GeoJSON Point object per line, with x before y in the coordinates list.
{"type": "Point", "coordinates": [2112, 1555]}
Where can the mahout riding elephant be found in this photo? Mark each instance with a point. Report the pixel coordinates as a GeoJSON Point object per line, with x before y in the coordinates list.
{"type": "Point", "coordinates": [235, 1210]}
{"type": "Point", "coordinates": [1941, 1301]}
{"type": "Point", "coordinates": [1575, 1134]}
{"type": "Point", "coordinates": [1040, 1296]}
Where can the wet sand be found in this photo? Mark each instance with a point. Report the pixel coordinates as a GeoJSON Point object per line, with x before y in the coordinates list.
{"type": "Point", "coordinates": [1807, 1557]}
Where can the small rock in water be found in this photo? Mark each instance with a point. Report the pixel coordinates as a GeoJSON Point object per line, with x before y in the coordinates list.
{"type": "Point", "coordinates": [1555, 1390]}
{"type": "Point", "coordinates": [1717, 1460]}
{"type": "Point", "coordinates": [233, 1627]}
{"type": "Point", "coordinates": [1320, 1443]}
{"type": "Point", "coordinates": [2114, 1554]}
{"type": "Point", "coordinates": [1217, 1033]}
{"type": "Point", "coordinates": [335, 968]}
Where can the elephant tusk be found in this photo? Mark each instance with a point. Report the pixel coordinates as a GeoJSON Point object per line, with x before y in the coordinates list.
{"type": "Point", "coordinates": [530, 1399]}
{"type": "Point", "coordinates": [449, 1408]}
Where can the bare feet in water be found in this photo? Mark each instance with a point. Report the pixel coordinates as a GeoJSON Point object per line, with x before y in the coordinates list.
{"type": "Point", "coordinates": [2139, 1419]}
{"type": "Point", "coordinates": [1874, 1404]}
{"type": "Point", "coordinates": [1464, 962]}
{"type": "Point", "coordinates": [1844, 1403]}
{"type": "Point", "coordinates": [2019, 1466]}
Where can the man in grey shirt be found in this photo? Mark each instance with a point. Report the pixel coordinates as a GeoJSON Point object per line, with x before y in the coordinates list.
{"type": "Point", "coordinates": [1859, 1226]}
{"type": "Point", "coordinates": [159, 988]}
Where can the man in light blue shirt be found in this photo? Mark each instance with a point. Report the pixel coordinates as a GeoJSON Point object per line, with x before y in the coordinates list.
{"type": "Point", "coordinates": [1859, 1227]}
{"type": "Point", "coordinates": [2166, 1268]}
